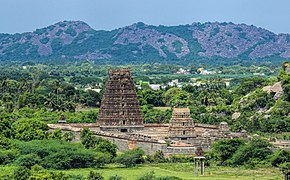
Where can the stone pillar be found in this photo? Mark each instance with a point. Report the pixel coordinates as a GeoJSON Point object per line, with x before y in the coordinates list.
{"type": "Point", "coordinates": [201, 159]}
{"type": "Point", "coordinates": [195, 167]}
{"type": "Point", "coordinates": [202, 167]}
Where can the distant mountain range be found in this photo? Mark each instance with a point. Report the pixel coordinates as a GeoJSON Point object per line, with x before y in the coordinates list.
{"type": "Point", "coordinates": [141, 43]}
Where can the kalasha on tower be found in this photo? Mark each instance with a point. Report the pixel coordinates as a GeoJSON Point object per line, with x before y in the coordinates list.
{"type": "Point", "coordinates": [120, 109]}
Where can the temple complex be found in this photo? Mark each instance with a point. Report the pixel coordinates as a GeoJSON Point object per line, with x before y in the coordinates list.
{"type": "Point", "coordinates": [120, 121]}
{"type": "Point", "coordinates": [120, 109]}
{"type": "Point", "coordinates": [181, 125]}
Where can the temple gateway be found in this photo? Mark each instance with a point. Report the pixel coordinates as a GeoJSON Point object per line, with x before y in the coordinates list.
{"type": "Point", "coordinates": [120, 109]}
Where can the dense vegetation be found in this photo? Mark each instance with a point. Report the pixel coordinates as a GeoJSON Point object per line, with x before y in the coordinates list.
{"type": "Point", "coordinates": [34, 95]}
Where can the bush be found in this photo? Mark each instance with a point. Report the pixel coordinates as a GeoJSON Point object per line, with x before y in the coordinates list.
{"type": "Point", "coordinates": [256, 150]}
{"type": "Point", "coordinates": [147, 176]}
{"type": "Point", "coordinates": [21, 173]}
{"type": "Point", "coordinates": [181, 158]}
{"type": "Point", "coordinates": [106, 146]}
{"type": "Point", "coordinates": [116, 177]}
{"type": "Point", "coordinates": [95, 176]}
{"type": "Point", "coordinates": [28, 160]}
{"type": "Point", "coordinates": [100, 159]}
{"type": "Point", "coordinates": [29, 129]}
{"type": "Point", "coordinates": [7, 156]}
{"type": "Point", "coordinates": [226, 148]}
{"type": "Point", "coordinates": [131, 158]}
{"type": "Point", "coordinates": [280, 157]}
{"type": "Point", "coordinates": [57, 154]}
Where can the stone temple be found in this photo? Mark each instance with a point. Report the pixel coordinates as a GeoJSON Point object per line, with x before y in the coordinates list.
{"type": "Point", "coordinates": [181, 126]}
{"type": "Point", "coordinates": [120, 121]}
{"type": "Point", "coordinates": [120, 109]}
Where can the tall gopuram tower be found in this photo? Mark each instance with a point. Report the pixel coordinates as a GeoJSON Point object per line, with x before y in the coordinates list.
{"type": "Point", "coordinates": [181, 126]}
{"type": "Point", "coordinates": [120, 109]}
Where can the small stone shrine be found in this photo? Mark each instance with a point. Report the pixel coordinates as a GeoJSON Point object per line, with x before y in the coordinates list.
{"type": "Point", "coordinates": [62, 119]}
{"type": "Point", "coordinates": [199, 157]}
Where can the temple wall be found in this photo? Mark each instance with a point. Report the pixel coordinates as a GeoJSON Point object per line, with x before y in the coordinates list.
{"type": "Point", "coordinates": [148, 146]}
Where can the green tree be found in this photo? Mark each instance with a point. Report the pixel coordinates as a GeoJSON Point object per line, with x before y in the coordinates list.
{"type": "Point", "coordinates": [256, 149]}
{"type": "Point", "coordinates": [106, 146]}
{"type": "Point", "coordinates": [87, 138]}
{"type": "Point", "coordinates": [29, 129]}
{"type": "Point", "coordinates": [131, 158]}
{"type": "Point", "coordinates": [227, 148]}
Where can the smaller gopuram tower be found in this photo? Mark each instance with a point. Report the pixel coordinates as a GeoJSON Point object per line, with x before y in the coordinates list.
{"type": "Point", "coordinates": [120, 109]}
{"type": "Point", "coordinates": [181, 126]}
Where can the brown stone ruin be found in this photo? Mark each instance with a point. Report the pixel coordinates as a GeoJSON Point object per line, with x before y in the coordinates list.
{"type": "Point", "coordinates": [120, 109]}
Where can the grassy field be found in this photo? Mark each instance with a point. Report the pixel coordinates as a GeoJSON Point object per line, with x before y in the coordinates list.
{"type": "Point", "coordinates": [184, 171]}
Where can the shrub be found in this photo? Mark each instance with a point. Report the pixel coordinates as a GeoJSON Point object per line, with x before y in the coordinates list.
{"type": "Point", "coordinates": [29, 129]}
{"type": "Point", "coordinates": [68, 136]}
{"type": "Point", "coordinates": [100, 159]}
{"type": "Point", "coordinates": [28, 160]}
{"type": "Point", "coordinates": [56, 134]}
{"type": "Point", "coordinates": [106, 146]}
{"type": "Point", "coordinates": [95, 176]}
{"type": "Point", "coordinates": [159, 157]}
{"type": "Point", "coordinates": [226, 148]}
{"type": "Point", "coordinates": [7, 156]}
{"type": "Point", "coordinates": [147, 176]}
{"type": "Point", "coordinates": [280, 157]}
{"type": "Point", "coordinates": [21, 173]}
{"type": "Point", "coordinates": [61, 154]}
{"type": "Point", "coordinates": [116, 177]}
{"type": "Point", "coordinates": [131, 158]}
{"type": "Point", "coordinates": [255, 150]}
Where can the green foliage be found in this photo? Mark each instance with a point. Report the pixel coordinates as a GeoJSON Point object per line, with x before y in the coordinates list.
{"type": "Point", "coordinates": [87, 138]}
{"type": "Point", "coordinates": [100, 144]}
{"type": "Point", "coordinates": [225, 149]}
{"type": "Point", "coordinates": [249, 85]}
{"type": "Point", "coordinates": [285, 167]}
{"type": "Point", "coordinates": [28, 160]}
{"type": "Point", "coordinates": [280, 157]}
{"type": "Point", "coordinates": [152, 115]}
{"type": "Point", "coordinates": [21, 173]}
{"type": "Point", "coordinates": [107, 146]}
{"type": "Point", "coordinates": [68, 136]}
{"type": "Point", "coordinates": [151, 176]}
{"type": "Point", "coordinates": [95, 176]}
{"type": "Point", "coordinates": [115, 177]}
{"type": "Point", "coordinates": [56, 134]}
{"type": "Point", "coordinates": [29, 129]}
{"type": "Point", "coordinates": [131, 158]}
{"type": "Point", "coordinates": [177, 97]}
{"type": "Point", "coordinates": [56, 154]}
{"type": "Point", "coordinates": [147, 176]}
{"type": "Point", "coordinates": [7, 156]}
{"type": "Point", "coordinates": [257, 150]}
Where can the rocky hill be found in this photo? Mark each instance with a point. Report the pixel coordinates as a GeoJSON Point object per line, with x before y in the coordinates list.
{"type": "Point", "coordinates": [139, 43]}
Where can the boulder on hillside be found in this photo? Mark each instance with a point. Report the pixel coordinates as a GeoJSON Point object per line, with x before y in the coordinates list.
{"type": "Point", "coordinates": [276, 88]}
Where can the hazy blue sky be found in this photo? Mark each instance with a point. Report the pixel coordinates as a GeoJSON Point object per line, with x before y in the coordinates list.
{"type": "Point", "coordinates": [27, 15]}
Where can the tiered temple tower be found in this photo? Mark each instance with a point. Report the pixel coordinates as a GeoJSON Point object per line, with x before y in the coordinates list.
{"type": "Point", "coordinates": [120, 109]}
{"type": "Point", "coordinates": [181, 126]}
